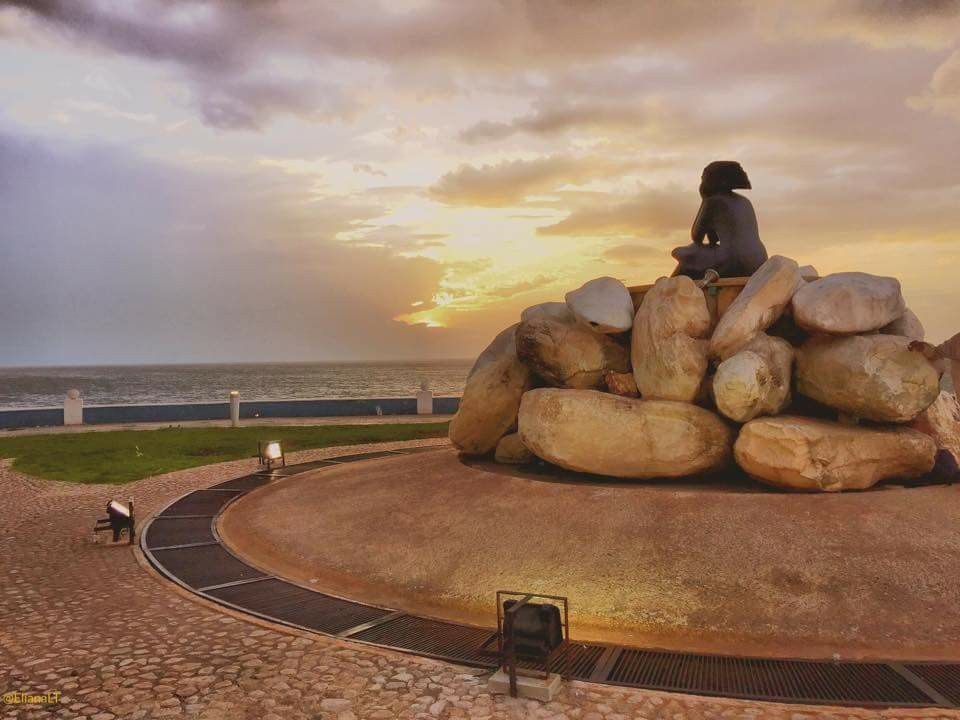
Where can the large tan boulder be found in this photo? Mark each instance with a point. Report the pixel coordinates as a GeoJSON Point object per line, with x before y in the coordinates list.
{"type": "Point", "coordinates": [757, 307]}
{"type": "Point", "coordinates": [565, 352]}
{"type": "Point", "coordinates": [604, 434]}
{"type": "Point", "coordinates": [668, 349]}
{"type": "Point", "coordinates": [491, 396]}
{"type": "Point", "coordinates": [907, 325]}
{"type": "Point", "coordinates": [511, 451]}
{"type": "Point", "coordinates": [868, 376]}
{"type": "Point", "coordinates": [604, 304]}
{"type": "Point", "coordinates": [847, 303]}
{"type": "Point", "coordinates": [820, 455]}
{"type": "Point", "coordinates": [941, 421]}
{"type": "Point", "coordinates": [756, 380]}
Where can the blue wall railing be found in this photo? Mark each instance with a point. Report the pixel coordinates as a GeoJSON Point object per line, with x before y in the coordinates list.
{"type": "Point", "coordinates": [186, 412]}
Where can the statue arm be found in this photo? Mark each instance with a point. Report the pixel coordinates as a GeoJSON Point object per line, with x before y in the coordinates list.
{"type": "Point", "coordinates": [703, 223]}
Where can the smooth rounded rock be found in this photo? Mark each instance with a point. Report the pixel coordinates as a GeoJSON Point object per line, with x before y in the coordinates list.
{"type": "Point", "coordinates": [604, 304]}
{"type": "Point", "coordinates": [622, 384]}
{"type": "Point", "coordinates": [848, 303]}
{"type": "Point", "coordinates": [668, 348]}
{"type": "Point", "coordinates": [757, 307]}
{"type": "Point", "coordinates": [800, 453]}
{"type": "Point", "coordinates": [491, 396]}
{"type": "Point", "coordinates": [755, 381]}
{"type": "Point", "coordinates": [941, 421]}
{"type": "Point", "coordinates": [512, 451]}
{"type": "Point", "coordinates": [604, 434]}
{"type": "Point", "coordinates": [868, 376]}
{"type": "Point", "coordinates": [565, 352]}
{"type": "Point", "coordinates": [555, 310]}
{"type": "Point", "coordinates": [907, 325]}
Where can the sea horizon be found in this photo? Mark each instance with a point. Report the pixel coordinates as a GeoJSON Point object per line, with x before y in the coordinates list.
{"type": "Point", "coordinates": [160, 383]}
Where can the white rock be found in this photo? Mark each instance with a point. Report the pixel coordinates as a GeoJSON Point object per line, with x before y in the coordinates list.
{"type": "Point", "coordinates": [869, 376]}
{"type": "Point", "coordinates": [907, 325]}
{"type": "Point", "coordinates": [604, 304]}
{"type": "Point", "coordinates": [756, 380]}
{"type": "Point", "coordinates": [806, 454]}
{"type": "Point", "coordinates": [669, 347]}
{"type": "Point", "coordinates": [757, 307]}
{"type": "Point", "coordinates": [491, 396]}
{"type": "Point", "coordinates": [848, 303]}
{"type": "Point", "coordinates": [604, 434]}
{"type": "Point", "coordinates": [566, 353]}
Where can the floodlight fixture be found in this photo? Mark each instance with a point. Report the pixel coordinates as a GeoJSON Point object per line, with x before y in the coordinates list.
{"type": "Point", "coordinates": [270, 453]}
{"type": "Point", "coordinates": [119, 518]}
{"type": "Point", "coordinates": [533, 629]}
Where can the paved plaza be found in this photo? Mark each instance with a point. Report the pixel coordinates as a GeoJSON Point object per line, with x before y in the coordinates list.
{"type": "Point", "coordinates": [93, 623]}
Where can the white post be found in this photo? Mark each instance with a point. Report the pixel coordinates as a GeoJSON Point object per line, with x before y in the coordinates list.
{"type": "Point", "coordinates": [73, 408]}
{"type": "Point", "coordinates": [234, 408]}
{"type": "Point", "coordinates": [424, 399]}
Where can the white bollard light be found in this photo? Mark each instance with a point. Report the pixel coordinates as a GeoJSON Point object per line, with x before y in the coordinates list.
{"type": "Point", "coordinates": [425, 399]}
{"type": "Point", "coordinates": [73, 408]}
{"type": "Point", "coordinates": [234, 408]}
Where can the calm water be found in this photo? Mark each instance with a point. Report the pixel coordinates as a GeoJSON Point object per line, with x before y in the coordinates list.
{"type": "Point", "coordinates": [136, 384]}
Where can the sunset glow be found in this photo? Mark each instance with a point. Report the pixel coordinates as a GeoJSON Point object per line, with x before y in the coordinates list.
{"type": "Point", "coordinates": [399, 180]}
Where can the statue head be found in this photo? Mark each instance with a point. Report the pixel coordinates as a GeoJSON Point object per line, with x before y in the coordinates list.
{"type": "Point", "coordinates": [723, 176]}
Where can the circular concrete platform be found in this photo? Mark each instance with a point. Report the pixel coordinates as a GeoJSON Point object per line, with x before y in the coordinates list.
{"type": "Point", "coordinates": [728, 568]}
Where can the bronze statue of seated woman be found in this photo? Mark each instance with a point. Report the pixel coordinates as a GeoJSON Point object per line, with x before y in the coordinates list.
{"type": "Point", "coordinates": [729, 224]}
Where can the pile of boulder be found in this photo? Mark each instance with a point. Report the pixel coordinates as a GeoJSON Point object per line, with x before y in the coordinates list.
{"type": "Point", "coordinates": [806, 383]}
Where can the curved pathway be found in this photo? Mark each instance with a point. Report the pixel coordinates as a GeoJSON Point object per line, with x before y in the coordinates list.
{"type": "Point", "coordinates": [92, 622]}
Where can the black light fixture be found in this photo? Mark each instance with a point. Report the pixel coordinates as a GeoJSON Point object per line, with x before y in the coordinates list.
{"type": "Point", "coordinates": [271, 452]}
{"type": "Point", "coordinates": [533, 629]}
{"type": "Point", "coordinates": [119, 518]}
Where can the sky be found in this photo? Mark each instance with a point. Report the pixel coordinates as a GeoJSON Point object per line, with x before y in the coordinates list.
{"type": "Point", "coordinates": [297, 180]}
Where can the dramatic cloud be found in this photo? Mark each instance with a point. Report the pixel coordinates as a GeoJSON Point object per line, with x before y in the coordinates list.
{"type": "Point", "coordinates": [511, 181]}
{"type": "Point", "coordinates": [292, 179]}
{"type": "Point", "coordinates": [943, 94]}
{"type": "Point", "coordinates": [652, 212]}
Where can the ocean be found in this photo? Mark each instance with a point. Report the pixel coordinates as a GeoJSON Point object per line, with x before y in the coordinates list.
{"type": "Point", "coordinates": [153, 384]}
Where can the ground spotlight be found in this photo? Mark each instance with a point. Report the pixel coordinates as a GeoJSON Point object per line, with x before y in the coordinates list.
{"type": "Point", "coordinates": [119, 518]}
{"type": "Point", "coordinates": [271, 452]}
{"type": "Point", "coordinates": [532, 637]}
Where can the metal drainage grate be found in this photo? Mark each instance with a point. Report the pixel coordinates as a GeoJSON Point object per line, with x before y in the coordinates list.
{"type": "Point", "coordinates": [579, 660]}
{"type": "Point", "coordinates": [300, 468]}
{"type": "Point", "coordinates": [245, 483]}
{"type": "Point", "coordinates": [363, 456]}
{"type": "Point", "coordinates": [433, 638]}
{"type": "Point", "coordinates": [582, 659]}
{"type": "Point", "coordinates": [784, 680]}
{"type": "Point", "coordinates": [166, 531]}
{"type": "Point", "coordinates": [298, 606]}
{"type": "Point", "coordinates": [942, 677]}
{"type": "Point", "coordinates": [201, 502]}
{"type": "Point", "coordinates": [204, 565]}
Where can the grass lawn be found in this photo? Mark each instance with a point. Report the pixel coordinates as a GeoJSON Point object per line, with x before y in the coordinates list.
{"type": "Point", "coordinates": [125, 455]}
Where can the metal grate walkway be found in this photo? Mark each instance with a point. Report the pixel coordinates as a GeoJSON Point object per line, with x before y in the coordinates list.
{"type": "Point", "coordinates": [182, 544]}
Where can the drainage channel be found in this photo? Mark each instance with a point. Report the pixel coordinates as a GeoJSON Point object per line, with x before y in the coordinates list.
{"type": "Point", "coordinates": [182, 543]}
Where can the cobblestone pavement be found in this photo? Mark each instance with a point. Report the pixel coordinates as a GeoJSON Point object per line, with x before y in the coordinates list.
{"type": "Point", "coordinates": [92, 622]}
